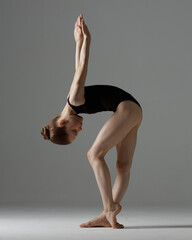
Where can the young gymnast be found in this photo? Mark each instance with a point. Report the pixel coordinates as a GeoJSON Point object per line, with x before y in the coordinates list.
{"type": "Point", "coordinates": [119, 131]}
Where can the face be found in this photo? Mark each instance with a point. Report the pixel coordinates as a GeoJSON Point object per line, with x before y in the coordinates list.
{"type": "Point", "coordinates": [74, 126]}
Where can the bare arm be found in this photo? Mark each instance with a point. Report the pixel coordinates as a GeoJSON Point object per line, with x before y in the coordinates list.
{"type": "Point", "coordinates": [77, 54]}
{"type": "Point", "coordinates": [82, 56]}
{"type": "Point", "coordinates": [83, 61]}
{"type": "Point", "coordinates": [78, 35]}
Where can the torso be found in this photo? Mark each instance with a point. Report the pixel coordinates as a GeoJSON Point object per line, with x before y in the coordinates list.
{"type": "Point", "coordinates": [99, 98]}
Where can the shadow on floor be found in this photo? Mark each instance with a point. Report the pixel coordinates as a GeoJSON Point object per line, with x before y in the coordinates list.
{"type": "Point", "coordinates": [163, 226]}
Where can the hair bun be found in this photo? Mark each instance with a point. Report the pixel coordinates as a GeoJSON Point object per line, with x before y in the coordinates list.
{"type": "Point", "coordinates": [45, 133]}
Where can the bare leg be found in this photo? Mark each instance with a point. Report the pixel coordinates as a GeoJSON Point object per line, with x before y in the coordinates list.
{"type": "Point", "coordinates": [125, 152]}
{"type": "Point", "coordinates": [102, 175]}
{"type": "Point", "coordinates": [103, 178]}
{"type": "Point", "coordinates": [111, 209]}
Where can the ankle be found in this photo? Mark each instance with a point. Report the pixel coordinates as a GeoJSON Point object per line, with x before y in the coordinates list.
{"type": "Point", "coordinates": [109, 207]}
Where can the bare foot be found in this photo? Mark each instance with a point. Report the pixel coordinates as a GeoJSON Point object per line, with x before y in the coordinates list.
{"type": "Point", "coordinates": [100, 221]}
{"type": "Point", "coordinates": [111, 216]}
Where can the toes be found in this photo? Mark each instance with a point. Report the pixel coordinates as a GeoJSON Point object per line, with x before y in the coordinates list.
{"type": "Point", "coordinates": [118, 225]}
{"type": "Point", "coordinates": [83, 225]}
{"type": "Point", "coordinates": [121, 226]}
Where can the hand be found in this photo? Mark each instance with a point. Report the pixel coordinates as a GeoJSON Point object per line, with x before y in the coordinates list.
{"type": "Point", "coordinates": [85, 29]}
{"type": "Point", "coordinates": [78, 34]}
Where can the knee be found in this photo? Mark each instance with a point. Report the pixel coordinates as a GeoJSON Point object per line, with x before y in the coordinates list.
{"type": "Point", "coordinates": [123, 167]}
{"type": "Point", "coordinates": [95, 155]}
{"type": "Point", "coordinates": [89, 155]}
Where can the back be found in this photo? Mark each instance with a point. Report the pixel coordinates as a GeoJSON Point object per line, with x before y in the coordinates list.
{"type": "Point", "coordinates": [100, 98]}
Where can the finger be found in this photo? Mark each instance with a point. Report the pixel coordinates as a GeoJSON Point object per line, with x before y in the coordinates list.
{"type": "Point", "coordinates": [75, 25]}
{"type": "Point", "coordinates": [82, 24]}
{"type": "Point", "coordinates": [79, 21]}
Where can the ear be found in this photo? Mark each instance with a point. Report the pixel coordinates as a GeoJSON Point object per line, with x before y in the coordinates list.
{"type": "Point", "coordinates": [62, 122]}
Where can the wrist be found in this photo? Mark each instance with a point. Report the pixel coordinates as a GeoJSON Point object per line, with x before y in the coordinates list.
{"type": "Point", "coordinates": [79, 43]}
{"type": "Point", "coordinates": [87, 38]}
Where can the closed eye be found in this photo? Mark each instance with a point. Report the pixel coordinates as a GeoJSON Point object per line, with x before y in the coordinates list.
{"type": "Point", "coordinates": [75, 132]}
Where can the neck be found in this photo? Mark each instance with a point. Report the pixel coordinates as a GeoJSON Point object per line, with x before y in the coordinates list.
{"type": "Point", "coordinates": [67, 111]}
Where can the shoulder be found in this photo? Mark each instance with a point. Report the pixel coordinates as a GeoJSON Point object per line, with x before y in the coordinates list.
{"type": "Point", "coordinates": [75, 101]}
{"type": "Point", "coordinates": [76, 95]}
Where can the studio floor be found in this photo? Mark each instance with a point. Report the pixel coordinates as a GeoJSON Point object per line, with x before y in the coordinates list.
{"type": "Point", "coordinates": [157, 223]}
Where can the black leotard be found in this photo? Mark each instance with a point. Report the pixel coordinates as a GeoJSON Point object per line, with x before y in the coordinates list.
{"type": "Point", "coordinates": [100, 98]}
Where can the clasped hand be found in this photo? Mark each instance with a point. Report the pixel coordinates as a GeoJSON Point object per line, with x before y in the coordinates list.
{"type": "Point", "coordinates": [81, 31]}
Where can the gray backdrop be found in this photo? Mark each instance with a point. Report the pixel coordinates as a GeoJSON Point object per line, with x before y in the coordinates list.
{"type": "Point", "coordinates": [143, 47]}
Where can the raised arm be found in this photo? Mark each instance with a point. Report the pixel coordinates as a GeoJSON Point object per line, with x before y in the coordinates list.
{"type": "Point", "coordinates": [77, 54]}
{"type": "Point", "coordinates": [81, 64]}
{"type": "Point", "coordinates": [84, 56]}
{"type": "Point", "coordinates": [78, 35]}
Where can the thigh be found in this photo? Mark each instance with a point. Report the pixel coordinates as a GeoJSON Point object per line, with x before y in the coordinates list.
{"type": "Point", "coordinates": [126, 148]}
{"type": "Point", "coordinates": [114, 130]}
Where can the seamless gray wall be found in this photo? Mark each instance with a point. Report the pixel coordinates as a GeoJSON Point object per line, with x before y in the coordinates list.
{"type": "Point", "coordinates": [143, 47]}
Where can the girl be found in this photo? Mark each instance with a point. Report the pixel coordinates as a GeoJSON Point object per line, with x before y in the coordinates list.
{"type": "Point", "coordinates": [119, 131]}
